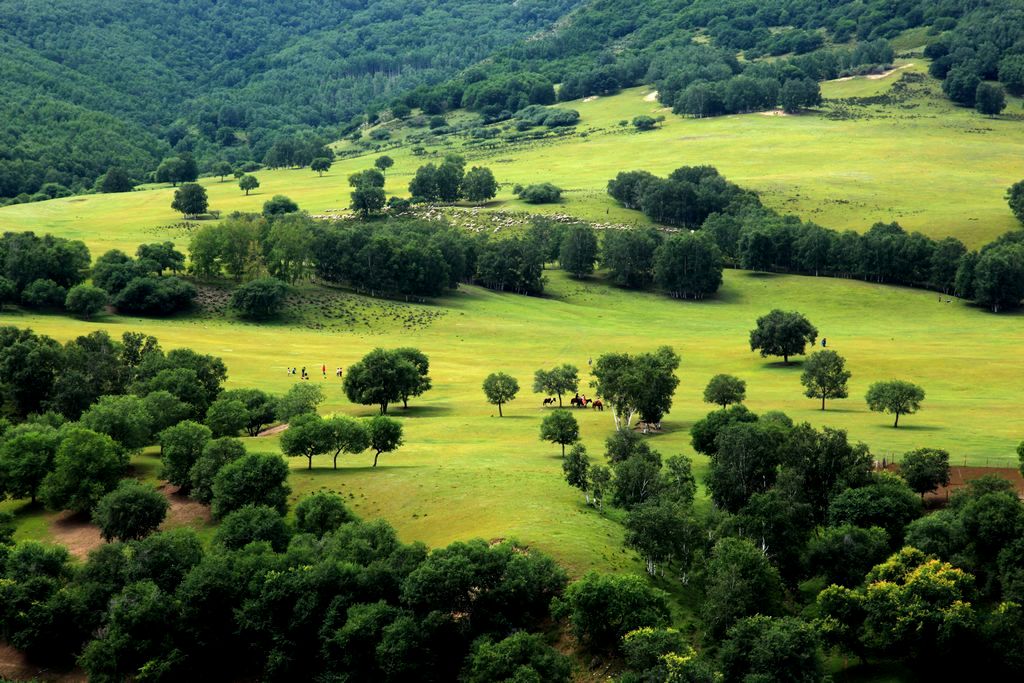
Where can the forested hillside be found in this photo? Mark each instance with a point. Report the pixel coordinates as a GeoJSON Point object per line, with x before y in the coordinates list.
{"type": "Point", "coordinates": [93, 83]}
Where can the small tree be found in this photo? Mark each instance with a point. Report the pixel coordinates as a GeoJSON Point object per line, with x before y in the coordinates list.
{"type": "Point", "coordinates": [255, 479]}
{"type": "Point", "coordinates": [279, 205]}
{"type": "Point", "coordinates": [116, 180]}
{"type": "Point", "coordinates": [308, 435]}
{"type": "Point", "coordinates": [989, 99]}
{"type": "Point", "coordinates": [368, 199]}
{"type": "Point", "coordinates": [385, 435]}
{"type": "Point", "coordinates": [321, 512]}
{"type": "Point", "coordinates": [925, 469]}
{"type": "Point", "coordinates": [227, 417]}
{"type": "Point", "coordinates": [644, 123]}
{"type": "Point", "coordinates": [253, 523]}
{"type": "Point", "coordinates": [479, 185]}
{"type": "Point", "coordinates": [347, 435]}
{"type": "Point", "coordinates": [300, 399]}
{"type": "Point", "coordinates": [180, 447]}
{"type": "Point", "coordinates": [215, 455]}
{"type": "Point", "coordinates": [782, 334]}
{"type": "Point", "coordinates": [85, 301]}
{"type": "Point", "coordinates": [321, 165]}
{"type": "Point", "coordinates": [896, 397]}
{"type": "Point", "coordinates": [500, 388]}
{"type": "Point", "coordinates": [130, 512]}
{"type": "Point", "coordinates": [190, 199]}
{"type": "Point", "coordinates": [560, 427]}
{"type": "Point", "coordinates": [248, 183]}
{"type": "Point", "coordinates": [725, 390]}
{"type": "Point", "coordinates": [825, 376]}
{"type": "Point", "coordinates": [576, 467]}
{"type": "Point", "coordinates": [383, 163]}
{"type": "Point", "coordinates": [260, 299]}
{"type": "Point", "coordinates": [558, 380]}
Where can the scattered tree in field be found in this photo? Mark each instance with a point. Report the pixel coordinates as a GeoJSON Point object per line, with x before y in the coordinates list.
{"type": "Point", "coordinates": [540, 193]}
{"type": "Point", "coordinates": [27, 455]}
{"type": "Point", "coordinates": [479, 185]}
{"type": "Point", "coordinates": [131, 511]}
{"type": "Point", "coordinates": [250, 524]}
{"type": "Point", "coordinates": [248, 183]}
{"type": "Point", "coordinates": [254, 479]}
{"type": "Point", "coordinates": [782, 334]}
{"type": "Point", "coordinates": [320, 165]}
{"type": "Point", "coordinates": [86, 467]}
{"type": "Point", "coordinates": [383, 163]}
{"type": "Point", "coordinates": [260, 299]}
{"type": "Point", "coordinates": [641, 384]}
{"type": "Point", "coordinates": [560, 427]}
{"type": "Point", "coordinates": [116, 180]}
{"type": "Point", "coordinates": [422, 383]}
{"type": "Point", "coordinates": [190, 199]}
{"type": "Point", "coordinates": [347, 435]}
{"type": "Point", "coordinates": [385, 435]}
{"type": "Point", "coordinates": [221, 169]}
{"type": "Point", "coordinates": [383, 376]}
{"type": "Point", "coordinates": [578, 252]}
{"type": "Point", "coordinates": [500, 388]}
{"type": "Point", "coordinates": [989, 99]}
{"type": "Point", "coordinates": [644, 122]}
{"type": "Point", "coordinates": [321, 512]}
{"type": "Point", "coordinates": [725, 390]}
{"type": "Point", "coordinates": [925, 469]}
{"type": "Point", "coordinates": [85, 301]}
{"type": "Point", "coordinates": [307, 435]}
{"type": "Point", "coordinates": [558, 380]}
{"type": "Point", "coordinates": [825, 376]}
{"type": "Point", "coordinates": [895, 396]}
{"type": "Point", "coordinates": [602, 608]}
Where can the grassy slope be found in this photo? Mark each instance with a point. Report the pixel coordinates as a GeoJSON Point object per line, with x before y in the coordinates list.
{"type": "Point", "coordinates": [927, 164]}
{"type": "Point", "coordinates": [465, 472]}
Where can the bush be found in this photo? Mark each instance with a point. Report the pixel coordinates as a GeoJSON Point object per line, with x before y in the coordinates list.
{"type": "Point", "coordinates": [155, 296]}
{"type": "Point", "coordinates": [260, 299]}
{"type": "Point", "coordinates": [255, 479]}
{"type": "Point", "coordinates": [130, 512]}
{"type": "Point", "coordinates": [253, 523]}
{"type": "Point", "coordinates": [541, 193]}
{"type": "Point", "coordinates": [644, 122]}
{"type": "Point", "coordinates": [603, 608]}
{"type": "Point", "coordinates": [321, 513]}
{"type": "Point", "coordinates": [85, 301]}
{"type": "Point", "coordinates": [44, 294]}
{"type": "Point", "coordinates": [279, 205]}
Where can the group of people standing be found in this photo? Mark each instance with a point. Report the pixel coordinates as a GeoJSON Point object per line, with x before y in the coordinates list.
{"type": "Point", "coordinates": [323, 369]}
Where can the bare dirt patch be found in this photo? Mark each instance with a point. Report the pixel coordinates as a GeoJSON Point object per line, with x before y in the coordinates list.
{"type": "Point", "coordinates": [886, 74]}
{"type": "Point", "coordinates": [959, 476]}
{"type": "Point", "coordinates": [273, 430]}
{"type": "Point", "coordinates": [183, 511]}
{"type": "Point", "coordinates": [590, 99]}
{"type": "Point", "coordinates": [76, 533]}
{"type": "Point", "coordinates": [15, 667]}
{"type": "Point", "coordinates": [774, 112]}
{"type": "Point", "coordinates": [651, 96]}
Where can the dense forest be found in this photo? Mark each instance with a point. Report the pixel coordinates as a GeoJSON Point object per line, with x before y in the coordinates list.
{"type": "Point", "coordinates": [93, 84]}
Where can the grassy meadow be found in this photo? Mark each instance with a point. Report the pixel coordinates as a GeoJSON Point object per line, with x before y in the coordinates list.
{"type": "Point", "coordinates": [465, 472]}
{"type": "Point", "coordinates": [913, 158]}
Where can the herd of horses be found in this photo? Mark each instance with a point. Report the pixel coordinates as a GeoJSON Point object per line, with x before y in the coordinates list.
{"type": "Point", "coordinates": [578, 401]}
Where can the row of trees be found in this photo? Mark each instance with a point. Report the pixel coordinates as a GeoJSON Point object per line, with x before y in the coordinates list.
{"type": "Point", "coordinates": [450, 182]}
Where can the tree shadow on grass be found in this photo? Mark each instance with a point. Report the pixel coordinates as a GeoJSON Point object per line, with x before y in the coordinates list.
{"type": "Point", "coordinates": [346, 469]}
{"type": "Point", "coordinates": [420, 411]}
{"type": "Point", "coordinates": [760, 275]}
{"type": "Point", "coordinates": [919, 428]}
{"type": "Point", "coordinates": [779, 365]}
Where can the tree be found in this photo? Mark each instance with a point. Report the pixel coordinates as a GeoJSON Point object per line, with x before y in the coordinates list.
{"type": "Point", "coordinates": [576, 467]}
{"type": "Point", "coordinates": [825, 376]}
{"type": "Point", "coordinates": [422, 382]}
{"type": "Point", "coordinates": [307, 435]}
{"type": "Point", "coordinates": [745, 462]}
{"type": "Point", "coordinates": [116, 180]}
{"type": "Point", "coordinates": [158, 257]}
{"type": "Point", "coordinates": [347, 435]}
{"type": "Point", "coordinates": [637, 385]}
{"type": "Point", "coordinates": [215, 455]}
{"type": "Point", "coordinates": [662, 531]}
{"type": "Point", "coordinates": [254, 479]}
{"type": "Point", "coordinates": [248, 183]}
{"type": "Point", "coordinates": [479, 185]}
{"type": "Point", "coordinates": [383, 163]}
{"type": "Point", "coordinates": [321, 512]}
{"type": "Point", "coordinates": [1015, 198]}
{"type": "Point", "coordinates": [520, 657]}
{"type": "Point", "coordinates": [130, 512]}
{"type": "Point", "coordinates": [560, 427]}
{"type": "Point", "coordinates": [260, 299]}
{"type": "Point", "coordinates": [299, 400]}
{"type": "Point", "coordinates": [385, 435]}
{"type": "Point", "coordinates": [320, 165]}
{"type": "Point", "coordinates": [261, 408]}
{"type": "Point", "coordinates": [190, 199]}
{"type": "Point", "coordinates": [763, 648]}
{"type": "Point", "coordinates": [895, 396]}
{"type": "Point", "coordinates": [782, 334]}
{"type": "Point", "coordinates": [602, 608]}
{"type": "Point", "coordinates": [279, 205]}
{"type": "Point", "coordinates": [43, 293]}
{"type": "Point", "coordinates": [818, 465]}
{"type": "Point", "coordinates": [423, 186]}
{"type": "Point", "coordinates": [798, 93]}
{"type": "Point", "coordinates": [221, 169]}
{"type": "Point", "coordinates": [642, 123]}
{"type": "Point", "coordinates": [368, 199]}
{"type": "Point", "coordinates": [125, 419]}
{"type": "Point", "coordinates": [86, 467]}
{"type": "Point", "coordinates": [844, 554]}
{"type": "Point", "coordinates": [961, 85]}
{"type": "Point", "coordinates": [558, 380]}
{"type": "Point", "coordinates": [253, 524]}
{"type": "Point", "coordinates": [725, 390]}
{"type": "Point", "coordinates": [382, 377]}
{"type": "Point", "coordinates": [741, 582]}
{"type": "Point", "coordinates": [180, 448]}
{"type": "Point", "coordinates": [500, 388]}
{"type": "Point", "coordinates": [925, 469]}
{"type": "Point", "coordinates": [27, 455]}
{"type": "Point", "coordinates": [637, 478]}
{"type": "Point", "coordinates": [688, 265]}
{"type": "Point", "coordinates": [578, 252]}
{"type": "Point", "coordinates": [226, 417]}
{"type": "Point", "coordinates": [989, 99]}
{"type": "Point", "coordinates": [887, 503]}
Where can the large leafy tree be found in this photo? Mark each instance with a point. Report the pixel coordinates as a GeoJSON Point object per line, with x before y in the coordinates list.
{"type": "Point", "coordinates": [745, 462]}
{"type": "Point", "coordinates": [130, 512]}
{"type": "Point", "coordinates": [578, 252]}
{"type": "Point", "coordinates": [689, 265]}
{"type": "Point", "coordinates": [602, 608]}
{"type": "Point", "coordinates": [256, 479]}
{"type": "Point", "coordinates": [925, 469]}
{"type": "Point", "coordinates": [87, 466]}
{"type": "Point", "coordinates": [180, 448]}
{"type": "Point", "coordinates": [384, 435]}
{"type": "Point", "coordinates": [558, 380]}
{"type": "Point", "coordinates": [190, 199]}
{"type": "Point", "coordinates": [260, 299]}
{"type": "Point", "coordinates": [307, 436]}
{"type": "Point", "coordinates": [782, 334]}
{"type": "Point", "coordinates": [641, 384]}
{"type": "Point", "coordinates": [500, 388]}
{"type": "Point", "coordinates": [26, 456]}
{"type": "Point", "coordinates": [383, 376]}
{"type": "Point", "coordinates": [741, 582]}
{"type": "Point", "coordinates": [560, 427]}
{"type": "Point", "coordinates": [895, 396]}
{"type": "Point", "coordinates": [825, 376]}
{"type": "Point", "coordinates": [772, 648]}
{"type": "Point", "coordinates": [321, 512]}
{"type": "Point", "coordinates": [479, 185]}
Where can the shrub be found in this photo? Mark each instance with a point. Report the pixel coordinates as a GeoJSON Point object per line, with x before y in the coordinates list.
{"type": "Point", "coordinates": [253, 523]}
{"type": "Point", "coordinates": [85, 301]}
{"type": "Point", "coordinates": [155, 296]}
{"type": "Point", "coordinates": [44, 294]}
{"type": "Point", "coordinates": [260, 299]}
{"type": "Point", "coordinates": [541, 193]}
{"type": "Point", "coordinates": [130, 512]}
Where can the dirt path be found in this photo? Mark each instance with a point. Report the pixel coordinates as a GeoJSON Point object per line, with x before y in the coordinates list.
{"type": "Point", "coordinates": [873, 77]}
{"type": "Point", "coordinates": [14, 667]}
{"type": "Point", "coordinates": [273, 430]}
{"type": "Point", "coordinates": [651, 96]}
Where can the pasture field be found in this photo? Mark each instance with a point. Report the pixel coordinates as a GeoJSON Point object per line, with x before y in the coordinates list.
{"type": "Point", "coordinates": [465, 472]}
{"type": "Point", "coordinates": [869, 154]}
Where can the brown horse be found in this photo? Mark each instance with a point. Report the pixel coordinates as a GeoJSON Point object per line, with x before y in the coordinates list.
{"type": "Point", "coordinates": [598, 405]}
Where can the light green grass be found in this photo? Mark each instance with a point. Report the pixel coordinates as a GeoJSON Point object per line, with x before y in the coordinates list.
{"type": "Point", "coordinates": [465, 472]}
{"type": "Point", "coordinates": [931, 166]}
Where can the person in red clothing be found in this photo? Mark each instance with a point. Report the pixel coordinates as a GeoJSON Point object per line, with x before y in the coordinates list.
{"type": "Point", "coordinates": [323, 369]}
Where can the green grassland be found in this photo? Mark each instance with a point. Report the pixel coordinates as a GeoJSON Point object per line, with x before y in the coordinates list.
{"type": "Point", "coordinates": [465, 472]}
{"type": "Point", "coordinates": [869, 154]}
